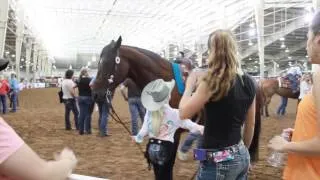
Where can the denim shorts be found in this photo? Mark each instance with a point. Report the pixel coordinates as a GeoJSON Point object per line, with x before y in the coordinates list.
{"type": "Point", "coordinates": [236, 169]}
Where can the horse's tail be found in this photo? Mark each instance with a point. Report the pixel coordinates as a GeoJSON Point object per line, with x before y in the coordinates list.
{"type": "Point", "coordinates": [254, 147]}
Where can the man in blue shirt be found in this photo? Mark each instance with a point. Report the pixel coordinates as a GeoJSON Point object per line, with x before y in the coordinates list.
{"type": "Point", "coordinates": [14, 91]}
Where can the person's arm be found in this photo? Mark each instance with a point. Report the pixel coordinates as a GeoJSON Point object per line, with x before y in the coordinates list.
{"type": "Point", "coordinates": [191, 126]}
{"type": "Point", "coordinates": [249, 124]}
{"type": "Point", "coordinates": [72, 89]}
{"type": "Point", "coordinates": [307, 147]}
{"type": "Point", "coordinates": [143, 131]}
{"type": "Point", "coordinates": [124, 92]}
{"type": "Point", "coordinates": [27, 165]}
{"type": "Point", "coordinates": [190, 105]}
{"type": "Point", "coordinates": [124, 89]}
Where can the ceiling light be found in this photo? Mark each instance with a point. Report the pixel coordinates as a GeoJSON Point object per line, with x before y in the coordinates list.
{"type": "Point", "coordinates": [289, 57]}
{"type": "Point", "coordinates": [307, 56]}
{"type": "Point", "coordinates": [89, 63]}
{"type": "Point", "coordinates": [7, 52]}
{"type": "Point", "coordinates": [308, 18]}
{"type": "Point", "coordinates": [282, 39]}
{"type": "Point", "coordinates": [287, 50]}
{"type": "Point", "coordinates": [94, 58]}
{"type": "Point", "coordinates": [252, 32]}
{"type": "Point", "coordinates": [22, 59]}
{"type": "Point", "coordinates": [13, 55]}
{"type": "Point", "coordinates": [282, 46]}
{"type": "Point", "coordinates": [250, 43]}
{"type": "Point", "coordinates": [250, 59]}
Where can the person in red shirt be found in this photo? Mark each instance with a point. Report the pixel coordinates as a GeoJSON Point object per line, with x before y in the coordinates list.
{"type": "Point", "coordinates": [4, 90]}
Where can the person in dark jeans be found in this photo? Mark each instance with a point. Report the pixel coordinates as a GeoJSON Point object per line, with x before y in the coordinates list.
{"type": "Point", "coordinates": [69, 99]}
{"type": "Point", "coordinates": [135, 106]}
{"type": "Point", "coordinates": [85, 102]}
{"type": "Point", "coordinates": [14, 91]}
{"type": "Point", "coordinates": [282, 108]}
{"type": "Point", "coordinates": [103, 108]}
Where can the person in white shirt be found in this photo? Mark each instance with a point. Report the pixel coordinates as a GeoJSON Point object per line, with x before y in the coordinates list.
{"type": "Point", "coordinates": [69, 99]}
{"type": "Point", "coordinates": [305, 86]}
{"type": "Point", "coordinates": [160, 124]}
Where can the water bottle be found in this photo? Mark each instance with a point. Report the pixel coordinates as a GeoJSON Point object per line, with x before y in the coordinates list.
{"type": "Point", "coordinates": [276, 158]}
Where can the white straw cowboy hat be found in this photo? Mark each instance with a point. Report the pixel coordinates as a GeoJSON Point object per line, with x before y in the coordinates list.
{"type": "Point", "coordinates": [156, 93]}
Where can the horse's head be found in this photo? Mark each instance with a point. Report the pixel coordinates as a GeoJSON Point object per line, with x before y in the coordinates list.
{"type": "Point", "coordinates": [112, 70]}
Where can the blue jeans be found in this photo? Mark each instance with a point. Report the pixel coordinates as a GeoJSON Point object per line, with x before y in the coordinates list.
{"type": "Point", "coordinates": [283, 106]}
{"type": "Point", "coordinates": [103, 117]}
{"type": "Point", "coordinates": [70, 105]}
{"type": "Point", "coordinates": [3, 98]}
{"type": "Point", "coordinates": [236, 169]}
{"type": "Point", "coordinates": [136, 109]}
{"type": "Point", "coordinates": [14, 98]}
{"type": "Point", "coordinates": [85, 103]}
{"type": "Point", "coordinates": [187, 144]}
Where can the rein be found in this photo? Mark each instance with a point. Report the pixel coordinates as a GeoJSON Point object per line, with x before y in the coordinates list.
{"type": "Point", "coordinates": [117, 119]}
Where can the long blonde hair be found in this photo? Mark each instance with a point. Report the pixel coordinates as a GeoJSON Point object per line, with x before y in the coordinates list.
{"type": "Point", "coordinates": [223, 64]}
{"type": "Point", "coordinates": [157, 118]}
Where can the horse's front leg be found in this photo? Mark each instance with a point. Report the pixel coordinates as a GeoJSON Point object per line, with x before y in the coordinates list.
{"type": "Point", "coordinates": [267, 110]}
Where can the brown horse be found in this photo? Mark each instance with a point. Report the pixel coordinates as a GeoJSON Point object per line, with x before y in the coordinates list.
{"type": "Point", "coordinates": [271, 86]}
{"type": "Point", "coordinates": [117, 62]}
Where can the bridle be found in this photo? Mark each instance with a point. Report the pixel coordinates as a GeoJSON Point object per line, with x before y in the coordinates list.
{"type": "Point", "coordinates": [111, 77]}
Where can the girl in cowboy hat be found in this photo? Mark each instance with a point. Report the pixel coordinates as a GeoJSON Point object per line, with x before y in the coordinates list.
{"type": "Point", "coordinates": [160, 123]}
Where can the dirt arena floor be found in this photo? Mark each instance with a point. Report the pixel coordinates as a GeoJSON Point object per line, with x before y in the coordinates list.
{"type": "Point", "coordinates": [40, 122]}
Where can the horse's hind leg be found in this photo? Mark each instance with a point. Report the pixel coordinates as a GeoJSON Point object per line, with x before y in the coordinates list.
{"type": "Point", "coordinates": [266, 106]}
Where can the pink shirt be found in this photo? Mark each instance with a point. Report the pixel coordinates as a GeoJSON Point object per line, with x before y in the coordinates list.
{"type": "Point", "coordinates": [10, 142]}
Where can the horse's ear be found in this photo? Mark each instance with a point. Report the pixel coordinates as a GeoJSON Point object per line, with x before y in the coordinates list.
{"type": "Point", "coordinates": [118, 43]}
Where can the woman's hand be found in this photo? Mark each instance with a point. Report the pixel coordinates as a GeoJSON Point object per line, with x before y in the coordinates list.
{"type": "Point", "coordinates": [201, 129]}
{"type": "Point", "coordinates": [288, 132]}
{"type": "Point", "coordinates": [66, 153]}
{"type": "Point", "coordinates": [133, 139]}
{"type": "Point", "coordinates": [278, 144]}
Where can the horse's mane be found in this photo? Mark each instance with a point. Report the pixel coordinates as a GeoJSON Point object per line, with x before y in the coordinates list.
{"type": "Point", "coordinates": [150, 54]}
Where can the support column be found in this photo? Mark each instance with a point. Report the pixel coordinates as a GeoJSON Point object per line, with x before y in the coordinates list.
{"type": "Point", "coordinates": [35, 60]}
{"type": "Point", "coordinates": [259, 17]}
{"type": "Point", "coordinates": [19, 40]}
{"type": "Point", "coordinates": [4, 7]}
{"type": "Point", "coordinates": [223, 21]}
{"type": "Point", "coordinates": [275, 65]}
{"type": "Point", "coordinates": [316, 6]}
{"type": "Point", "coordinates": [43, 64]}
{"type": "Point", "coordinates": [28, 58]}
{"type": "Point", "coordinates": [38, 67]}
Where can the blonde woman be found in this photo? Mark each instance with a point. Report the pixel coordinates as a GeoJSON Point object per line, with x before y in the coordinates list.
{"type": "Point", "coordinates": [228, 97]}
{"type": "Point", "coordinates": [160, 123]}
{"type": "Point", "coordinates": [85, 102]}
